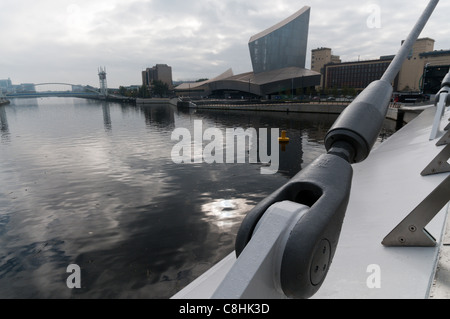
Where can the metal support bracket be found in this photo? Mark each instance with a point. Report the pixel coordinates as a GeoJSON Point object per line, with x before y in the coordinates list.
{"type": "Point", "coordinates": [448, 126]}
{"type": "Point", "coordinates": [441, 105]}
{"type": "Point", "coordinates": [439, 164]}
{"type": "Point", "coordinates": [411, 231]}
{"type": "Point", "coordinates": [445, 139]}
{"type": "Point", "coordinates": [256, 272]}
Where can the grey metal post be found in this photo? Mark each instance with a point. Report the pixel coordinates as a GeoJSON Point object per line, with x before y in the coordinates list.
{"type": "Point", "coordinates": [401, 56]}
{"type": "Point", "coordinates": [361, 122]}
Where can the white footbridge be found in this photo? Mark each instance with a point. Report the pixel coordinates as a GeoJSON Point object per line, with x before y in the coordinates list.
{"type": "Point", "coordinates": [357, 223]}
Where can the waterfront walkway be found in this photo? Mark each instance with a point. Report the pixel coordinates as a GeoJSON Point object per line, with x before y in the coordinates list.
{"type": "Point", "coordinates": [395, 112]}
{"type": "Point", "coordinates": [323, 107]}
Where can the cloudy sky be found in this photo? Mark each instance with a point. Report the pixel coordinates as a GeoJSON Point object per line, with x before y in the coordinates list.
{"type": "Point", "coordinates": [67, 40]}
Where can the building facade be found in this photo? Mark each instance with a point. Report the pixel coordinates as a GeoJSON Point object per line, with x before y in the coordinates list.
{"type": "Point", "coordinates": [355, 75]}
{"type": "Point", "coordinates": [160, 72]}
{"type": "Point", "coordinates": [359, 74]}
{"type": "Point", "coordinates": [432, 78]}
{"type": "Point", "coordinates": [321, 57]}
{"type": "Point", "coordinates": [422, 55]}
{"type": "Point", "coordinates": [6, 86]}
{"type": "Point", "coordinates": [283, 45]}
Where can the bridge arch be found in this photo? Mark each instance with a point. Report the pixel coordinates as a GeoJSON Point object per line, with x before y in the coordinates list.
{"type": "Point", "coordinates": [68, 84]}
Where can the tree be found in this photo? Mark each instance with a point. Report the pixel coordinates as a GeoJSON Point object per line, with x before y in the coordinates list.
{"type": "Point", "coordinates": [122, 91]}
{"type": "Point", "coordinates": [144, 92]}
{"type": "Point", "coordinates": [334, 91]}
{"type": "Point", "coordinates": [160, 88]}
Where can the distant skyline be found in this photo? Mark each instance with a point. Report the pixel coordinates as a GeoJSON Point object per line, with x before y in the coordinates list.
{"type": "Point", "coordinates": [66, 41]}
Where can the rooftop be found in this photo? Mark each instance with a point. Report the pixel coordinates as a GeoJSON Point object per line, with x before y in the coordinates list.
{"type": "Point", "coordinates": [435, 53]}
{"type": "Point", "coordinates": [280, 24]}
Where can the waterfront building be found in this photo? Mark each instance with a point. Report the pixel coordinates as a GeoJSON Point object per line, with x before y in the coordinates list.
{"type": "Point", "coordinates": [282, 45]}
{"type": "Point", "coordinates": [6, 86]}
{"type": "Point", "coordinates": [358, 74]}
{"type": "Point", "coordinates": [160, 72]}
{"type": "Point", "coordinates": [432, 78]}
{"type": "Point", "coordinates": [278, 56]}
{"type": "Point", "coordinates": [422, 55]}
{"type": "Point", "coordinates": [321, 57]}
{"type": "Point", "coordinates": [25, 88]}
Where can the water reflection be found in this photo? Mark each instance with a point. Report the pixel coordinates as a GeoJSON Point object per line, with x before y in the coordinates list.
{"type": "Point", "coordinates": [225, 213]}
{"type": "Point", "coordinates": [4, 128]}
{"type": "Point", "coordinates": [162, 116]}
{"type": "Point", "coordinates": [107, 117]}
{"type": "Point", "coordinates": [305, 131]}
{"type": "Point", "coordinates": [76, 189]}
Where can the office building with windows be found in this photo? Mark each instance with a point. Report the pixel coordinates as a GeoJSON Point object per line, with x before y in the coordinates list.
{"type": "Point", "coordinates": [160, 72]}
{"type": "Point", "coordinates": [359, 74]}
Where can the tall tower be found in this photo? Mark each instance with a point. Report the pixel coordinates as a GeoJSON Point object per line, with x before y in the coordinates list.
{"type": "Point", "coordinates": [102, 79]}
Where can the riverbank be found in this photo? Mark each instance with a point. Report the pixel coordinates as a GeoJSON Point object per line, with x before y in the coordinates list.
{"type": "Point", "coordinates": [152, 101]}
{"type": "Point", "coordinates": [278, 107]}
{"type": "Point", "coordinates": [4, 102]}
{"type": "Point", "coordinates": [401, 114]}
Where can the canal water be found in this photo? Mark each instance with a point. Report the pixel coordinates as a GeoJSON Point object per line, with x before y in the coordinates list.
{"type": "Point", "coordinates": [95, 185]}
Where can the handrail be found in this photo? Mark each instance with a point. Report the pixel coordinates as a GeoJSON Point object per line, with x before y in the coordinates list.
{"type": "Point", "coordinates": [324, 188]}
{"type": "Point", "coordinates": [442, 101]}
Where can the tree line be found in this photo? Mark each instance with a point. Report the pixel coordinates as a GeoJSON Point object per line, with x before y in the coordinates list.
{"type": "Point", "coordinates": [157, 89]}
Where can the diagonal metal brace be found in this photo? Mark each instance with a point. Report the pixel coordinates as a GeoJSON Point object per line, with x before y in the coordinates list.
{"type": "Point", "coordinates": [445, 139]}
{"type": "Point", "coordinates": [411, 231]}
{"type": "Point", "coordinates": [439, 164]}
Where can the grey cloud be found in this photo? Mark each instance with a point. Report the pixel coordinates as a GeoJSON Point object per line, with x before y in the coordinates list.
{"type": "Point", "coordinates": [197, 38]}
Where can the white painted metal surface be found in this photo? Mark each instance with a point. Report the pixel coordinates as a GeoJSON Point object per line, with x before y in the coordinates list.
{"type": "Point", "coordinates": [441, 285]}
{"type": "Point", "coordinates": [258, 268]}
{"type": "Point", "coordinates": [386, 187]}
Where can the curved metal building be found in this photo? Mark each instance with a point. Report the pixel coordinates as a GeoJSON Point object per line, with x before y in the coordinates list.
{"type": "Point", "coordinates": [283, 45]}
{"type": "Point", "coordinates": [278, 57]}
